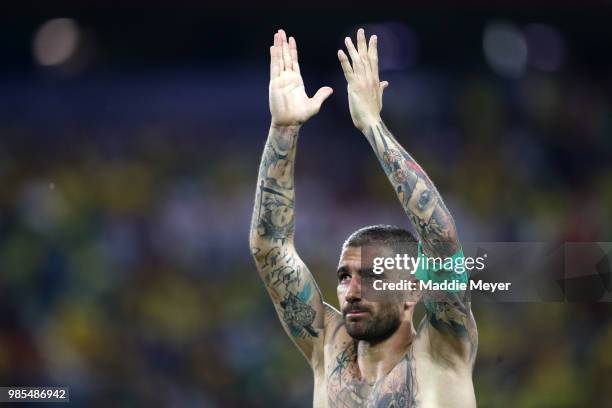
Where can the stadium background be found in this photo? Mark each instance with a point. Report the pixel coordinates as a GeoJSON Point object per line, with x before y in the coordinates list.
{"type": "Point", "coordinates": [129, 146]}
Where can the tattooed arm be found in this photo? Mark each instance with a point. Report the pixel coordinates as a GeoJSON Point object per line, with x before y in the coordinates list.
{"type": "Point", "coordinates": [447, 313]}
{"type": "Point", "coordinates": [290, 284]}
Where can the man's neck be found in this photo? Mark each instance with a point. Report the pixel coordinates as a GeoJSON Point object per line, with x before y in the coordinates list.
{"type": "Point", "coordinates": [376, 360]}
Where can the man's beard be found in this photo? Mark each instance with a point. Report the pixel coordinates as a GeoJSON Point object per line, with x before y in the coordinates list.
{"type": "Point", "coordinates": [378, 328]}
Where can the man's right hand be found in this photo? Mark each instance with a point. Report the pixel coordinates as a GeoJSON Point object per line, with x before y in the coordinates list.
{"type": "Point", "coordinates": [289, 104]}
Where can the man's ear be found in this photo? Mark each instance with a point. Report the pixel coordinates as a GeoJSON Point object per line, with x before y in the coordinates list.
{"type": "Point", "coordinates": [412, 299]}
{"type": "Point", "coordinates": [409, 304]}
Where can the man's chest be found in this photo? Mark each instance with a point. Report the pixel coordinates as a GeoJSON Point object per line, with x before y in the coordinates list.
{"type": "Point", "coordinates": [344, 388]}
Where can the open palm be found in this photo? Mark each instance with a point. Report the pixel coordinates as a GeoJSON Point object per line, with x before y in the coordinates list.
{"type": "Point", "coordinates": [365, 91]}
{"type": "Point", "coordinates": [289, 103]}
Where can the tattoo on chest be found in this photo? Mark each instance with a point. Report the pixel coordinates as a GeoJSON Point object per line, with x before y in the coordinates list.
{"type": "Point", "coordinates": [398, 389]}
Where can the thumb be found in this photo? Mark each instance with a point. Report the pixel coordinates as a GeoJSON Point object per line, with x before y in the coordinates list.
{"type": "Point", "coordinates": [321, 95]}
{"type": "Point", "coordinates": [382, 86]}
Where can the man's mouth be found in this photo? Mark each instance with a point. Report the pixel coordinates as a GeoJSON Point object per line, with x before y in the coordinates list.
{"type": "Point", "coordinates": [355, 313]}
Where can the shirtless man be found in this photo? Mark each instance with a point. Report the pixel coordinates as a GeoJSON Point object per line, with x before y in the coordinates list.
{"type": "Point", "coordinates": [368, 354]}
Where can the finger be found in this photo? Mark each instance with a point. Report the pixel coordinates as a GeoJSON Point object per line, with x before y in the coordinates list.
{"type": "Point", "coordinates": [361, 43]}
{"type": "Point", "coordinates": [278, 46]}
{"type": "Point", "coordinates": [286, 54]}
{"type": "Point", "coordinates": [274, 62]}
{"type": "Point", "coordinates": [362, 49]}
{"type": "Point", "coordinates": [373, 56]}
{"type": "Point", "coordinates": [294, 54]}
{"type": "Point", "coordinates": [346, 66]}
{"type": "Point", "coordinates": [357, 64]}
{"type": "Point", "coordinates": [382, 85]}
{"type": "Point", "coordinates": [321, 95]}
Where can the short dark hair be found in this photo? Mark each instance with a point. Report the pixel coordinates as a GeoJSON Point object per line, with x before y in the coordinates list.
{"type": "Point", "coordinates": [387, 235]}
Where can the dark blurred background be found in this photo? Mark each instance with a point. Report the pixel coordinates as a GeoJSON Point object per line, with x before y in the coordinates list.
{"type": "Point", "coordinates": [129, 144]}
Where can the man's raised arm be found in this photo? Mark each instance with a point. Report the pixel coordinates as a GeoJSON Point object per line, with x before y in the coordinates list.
{"type": "Point", "coordinates": [291, 286]}
{"type": "Point", "coordinates": [446, 312]}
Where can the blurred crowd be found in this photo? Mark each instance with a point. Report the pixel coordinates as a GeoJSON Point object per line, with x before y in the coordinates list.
{"type": "Point", "coordinates": [124, 264]}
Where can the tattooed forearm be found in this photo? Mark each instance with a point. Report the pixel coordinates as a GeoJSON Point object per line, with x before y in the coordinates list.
{"type": "Point", "coordinates": [416, 192]}
{"type": "Point", "coordinates": [273, 218]}
{"type": "Point", "coordinates": [448, 313]}
{"type": "Point", "coordinates": [290, 284]}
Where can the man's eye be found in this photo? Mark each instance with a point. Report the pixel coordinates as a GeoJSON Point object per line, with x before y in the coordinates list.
{"type": "Point", "coordinates": [344, 277]}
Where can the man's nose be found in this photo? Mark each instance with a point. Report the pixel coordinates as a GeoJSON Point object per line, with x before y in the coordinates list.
{"type": "Point", "coordinates": [353, 294]}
